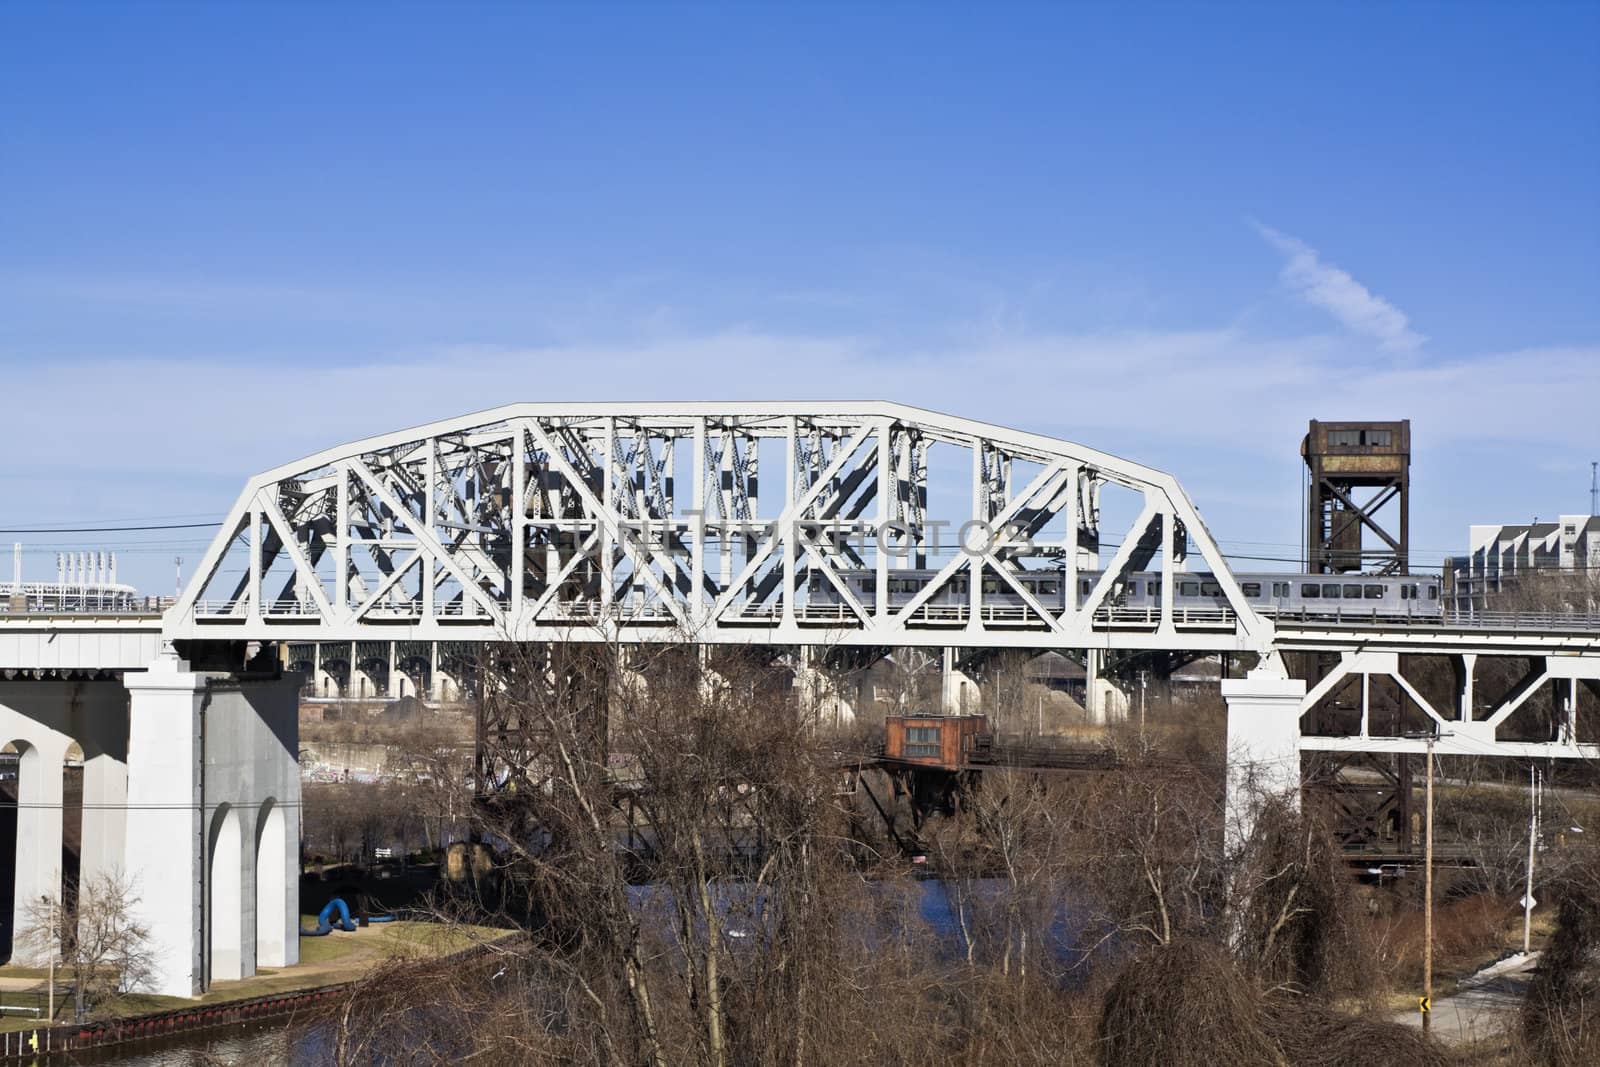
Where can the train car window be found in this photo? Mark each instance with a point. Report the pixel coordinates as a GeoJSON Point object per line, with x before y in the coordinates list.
{"type": "Point", "coordinates": [991, 585]}
{"type": "Point", "coordinates": [1047, 587]}
{"type": "Point", "coordinates": [816, 581]}
{"type": "Point", "coordinates": [1310, 592]}
{"type": "Point", "coordinates": [1405, 592]}
{"type": "Point", "coordinates": [1188, 588]}
{"type": "Point", "coordinates": [1330, 591]}
{"type": "Point", "coordinates": [1372, 592]}
{"type": "Point", "coordinates": [1352, 592]}
{"type": "Point", "coordinates": [959, 586]}
{"type": "Point", "coordinates": [1152, 589]}
{"type": "Point", "coordinates": [1088, 586]}
{"type": "Point", "coordinates": [1433, 592]}
{"type": "Point", "coordinates": [869, 584]}
{"type": "Point", "coordinates": [1133, 588]}
{"type": "Point", "coordinates": [1210, 589]}
{"type": "Point", "coordinates": [1280, 589]}
{"type": "Point", "coordinates": [1251, 588]}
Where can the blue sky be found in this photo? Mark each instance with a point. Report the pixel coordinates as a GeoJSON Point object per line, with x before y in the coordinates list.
{"type": "Point", "coordinates": [231, 235]}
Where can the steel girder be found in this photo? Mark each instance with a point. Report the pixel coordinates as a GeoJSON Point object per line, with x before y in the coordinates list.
{"type": "Point", "coordinates": [1458, 728]}
{"type": "Point", "coordinates": [652, 522]}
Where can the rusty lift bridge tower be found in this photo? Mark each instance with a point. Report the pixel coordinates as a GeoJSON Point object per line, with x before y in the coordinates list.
{"type": "Point", "coordinates": [1350, 460]}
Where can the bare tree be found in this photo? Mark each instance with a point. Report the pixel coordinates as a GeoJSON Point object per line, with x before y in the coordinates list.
{"type": "Point", "coordinates": [100, 942]}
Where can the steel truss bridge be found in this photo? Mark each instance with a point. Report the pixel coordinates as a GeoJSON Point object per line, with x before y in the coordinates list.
{"type": "Point", "coordinates": [743, 523]}
{"type": "Point", "coordinates": [712, 523]}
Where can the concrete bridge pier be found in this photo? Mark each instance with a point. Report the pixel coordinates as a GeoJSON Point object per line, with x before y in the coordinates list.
{"type": "Point", "coordinates": [1263, 745]}
{"type": "Point", "coordinates": [42, 720]}
{"type": "Point", "coordinates": [958, 690]}
{"type": "Point", "coordinates": [822, 692]}
{"type": "Point", "coordinates": [213, 821]}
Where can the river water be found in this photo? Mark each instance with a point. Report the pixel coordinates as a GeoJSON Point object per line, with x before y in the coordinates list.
{"type": "Point", "coordinates": [258, 1044]}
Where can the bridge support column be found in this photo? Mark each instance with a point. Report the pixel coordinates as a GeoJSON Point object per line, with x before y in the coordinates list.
{"type": "Point", "coordinates": [1093, 698]}
{"type": "Point", "coordinates": [1263, 746]}
{"type": "Point", "coordinates": [165, 828]}
{"type": "Point", "coordinates": [819, 692]}
{"type": "Point", "coordinates": [213, 779]}
{"type": "Point", "coordinates": [958, 693]}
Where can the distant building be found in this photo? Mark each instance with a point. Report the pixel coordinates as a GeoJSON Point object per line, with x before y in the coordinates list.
{"type": "Point", "coordinates": [85, 581]}
{"type": "Point", "coordinates": [1502, 555]}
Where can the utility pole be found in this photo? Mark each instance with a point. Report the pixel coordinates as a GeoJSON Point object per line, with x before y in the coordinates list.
{"type": "Point", "coordinates": [54, 931]}
{"type": "Point", "coordinates": [1533, 837]}
{"type": "Point", "coordinates": [1427, 899]}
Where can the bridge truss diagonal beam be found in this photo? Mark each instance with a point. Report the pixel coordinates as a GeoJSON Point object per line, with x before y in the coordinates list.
{"type": "Point", "coordinates": [650, 522]}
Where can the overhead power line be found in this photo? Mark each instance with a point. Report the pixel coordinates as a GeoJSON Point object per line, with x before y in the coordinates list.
{"type": "Point", "coordinates": [113, 529]}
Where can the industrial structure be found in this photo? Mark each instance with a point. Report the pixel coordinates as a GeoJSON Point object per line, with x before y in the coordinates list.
{"type": "Point", "coordinates": [1358, 497]}
{"type": "Point", "coordinates": [814, 534]}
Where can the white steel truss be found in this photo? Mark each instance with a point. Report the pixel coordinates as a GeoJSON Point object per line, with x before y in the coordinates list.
{"type": "Point", "coordinates": [649, 522]}
{"type": "Point", "coordinates": [1462, 726]}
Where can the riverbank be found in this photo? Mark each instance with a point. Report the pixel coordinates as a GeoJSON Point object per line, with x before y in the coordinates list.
{"type": "Point", "coordinates": [324, 961]}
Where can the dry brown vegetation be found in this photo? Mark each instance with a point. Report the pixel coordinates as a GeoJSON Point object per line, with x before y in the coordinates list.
{"type": "Point", "coordinates": [693, 885]}
{"type": "Point", "coordinates": [1561, 1018]}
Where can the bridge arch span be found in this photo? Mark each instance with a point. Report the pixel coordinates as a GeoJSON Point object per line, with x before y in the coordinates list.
{"type": "Point", "coordinates": [808, 524]}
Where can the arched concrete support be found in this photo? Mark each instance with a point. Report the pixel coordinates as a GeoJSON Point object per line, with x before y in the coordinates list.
{"type": "Point", "coordinates": [275, 856]}
{"type": "Point", "coordinates": [225, 912]}
{"type": "Point", "coordinates": [39, 798]}
{"type": "Point", "coordinates": [199, 743]}
{"type": "Point", "coordinates": [1263, 745]}
{"type": "Point", "coordinates": [43, 719]}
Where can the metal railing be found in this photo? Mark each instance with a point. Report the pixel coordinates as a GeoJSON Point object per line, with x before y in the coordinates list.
{"type": "Point", "coordinates": [929, 615]}
{"type": "Point", "coordinates": [1450, 619]}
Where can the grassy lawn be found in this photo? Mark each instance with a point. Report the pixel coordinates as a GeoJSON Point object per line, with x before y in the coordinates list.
{"type": "Point", "coordinates": [339, 957]}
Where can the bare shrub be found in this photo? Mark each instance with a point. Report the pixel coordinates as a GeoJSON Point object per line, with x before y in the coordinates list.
{"type": "Point", "coordinates": [97, 938]}
{"type": "Point", "coordinates": [1298, 924]}
{"type": "Point", "coordinates": [1312, 1035]}
{"type": "Point", "coordinates": [1184, 1004]}
{"type": "Point", "coordinates": [1152, 840]}
{"type": "Point", "coordinates": [1561, 1016]}
{"type": "Point", "coordinates": [1189, 1003]}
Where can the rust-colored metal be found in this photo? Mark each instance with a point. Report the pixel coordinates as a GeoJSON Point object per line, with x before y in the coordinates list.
{"type": "Point", "coordinates": [1358, 497]}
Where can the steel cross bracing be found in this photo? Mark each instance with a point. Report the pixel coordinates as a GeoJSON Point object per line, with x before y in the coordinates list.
{"type": "Point", "coordinates": [653, 522]}
{"type": "Point", "coordinates": [1556, 661]}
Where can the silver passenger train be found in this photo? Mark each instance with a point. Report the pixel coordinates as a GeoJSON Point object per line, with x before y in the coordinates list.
{"type": "Point", "coordinates": [1274, 593]}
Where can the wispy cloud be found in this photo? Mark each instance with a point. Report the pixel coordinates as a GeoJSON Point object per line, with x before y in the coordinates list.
{"type": "Point", "coordinates": [1336, 292]}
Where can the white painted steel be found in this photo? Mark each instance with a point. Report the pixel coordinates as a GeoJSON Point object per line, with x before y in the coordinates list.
{"type": "Point", "coordinates": [571, 522]}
